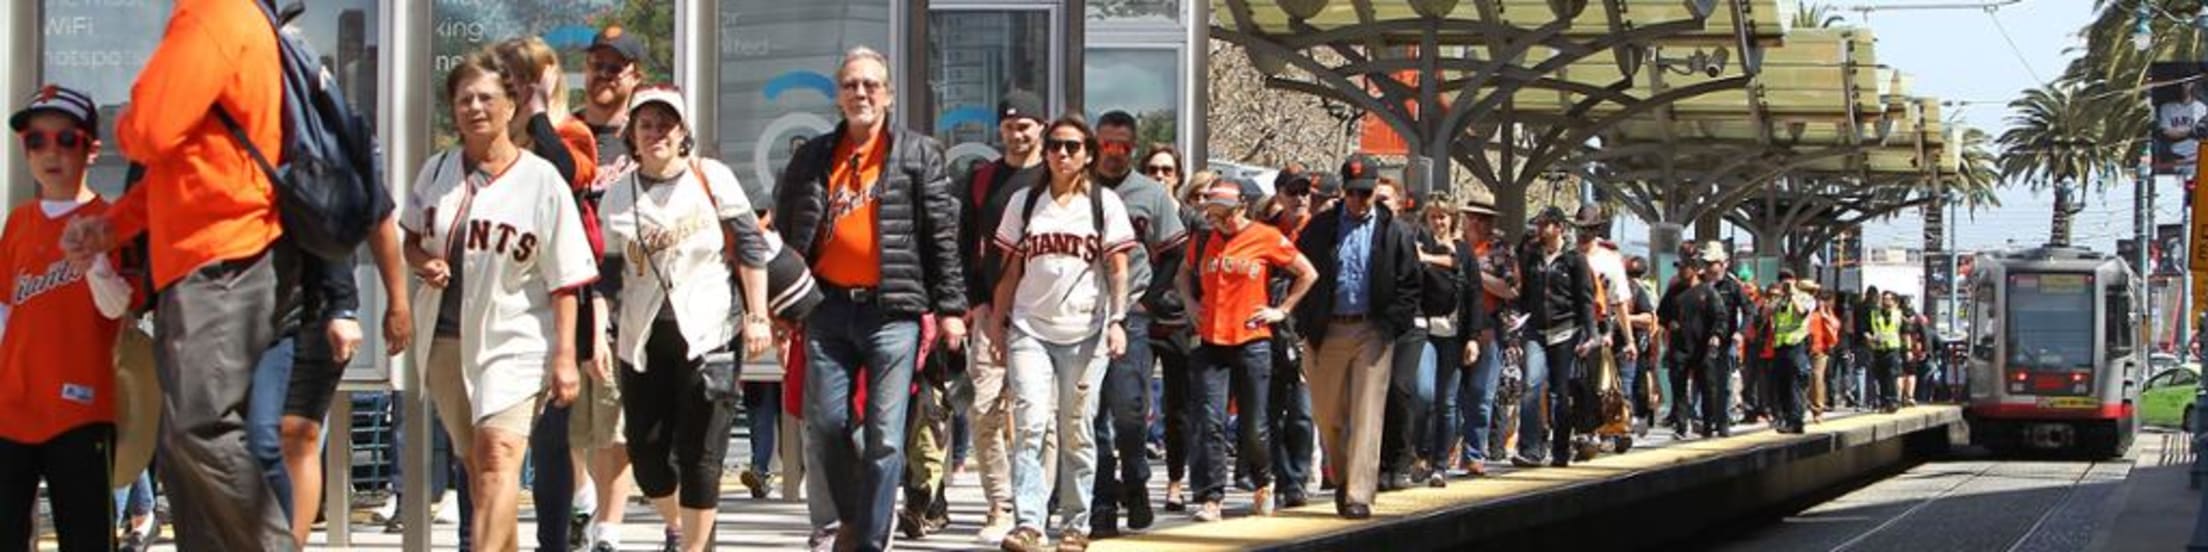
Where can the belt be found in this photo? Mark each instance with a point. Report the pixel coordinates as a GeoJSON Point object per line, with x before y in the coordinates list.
{"type": "Point", "coordinates": [862, 296]}
{"type": "Point", "coordinates": [1346, 318]}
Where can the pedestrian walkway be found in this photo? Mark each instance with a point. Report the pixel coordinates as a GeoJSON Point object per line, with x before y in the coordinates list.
{"type": "Point", "coordinates": [777, 524]}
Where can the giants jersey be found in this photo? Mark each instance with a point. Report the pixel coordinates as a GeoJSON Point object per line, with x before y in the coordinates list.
{"type": "Point", "coordinates": [1060, 289]}
{"type": "Point", "coordinates": [57, 367]}
{"type": "Point", "coordinates": [523, 241]}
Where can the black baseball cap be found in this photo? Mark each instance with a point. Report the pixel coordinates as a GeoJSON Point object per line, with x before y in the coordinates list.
{"type": "Point", "coordinates": [620, 41]}
{"type": "Point", "coordinates": [1292, 182]}
{"type": "Point", "coordinates": [1021, 104]}
{"type": "Point", "coordinates": [1360, 172]}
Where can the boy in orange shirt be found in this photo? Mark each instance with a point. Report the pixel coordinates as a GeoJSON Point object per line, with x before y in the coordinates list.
{"type": "Point", "coordinates": [58, 322]}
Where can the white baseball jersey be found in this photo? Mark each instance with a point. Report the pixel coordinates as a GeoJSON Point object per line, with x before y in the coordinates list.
{"type": "Point", "coordinates": [523, 240]}
{"type": "Point", "coordinates": [1608, 265]}
{"type": "Point", "coordinates": [2181, 115]}
{"type": "Point", "coordinates": [1058, 294]}
{"type": "Point", "coordinates": [673, 229]}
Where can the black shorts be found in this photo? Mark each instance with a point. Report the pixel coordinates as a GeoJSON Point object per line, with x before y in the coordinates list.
{"type": "Point", "coordinates": [314, 376]}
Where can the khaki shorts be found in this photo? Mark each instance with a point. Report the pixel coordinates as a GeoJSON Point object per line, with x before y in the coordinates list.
{"type": "Point", "coordinates": [517, 419]}
{"type": "Point", "coordinates": [448, 390]}
{"type": "Point", "coordinates": [595, 420]}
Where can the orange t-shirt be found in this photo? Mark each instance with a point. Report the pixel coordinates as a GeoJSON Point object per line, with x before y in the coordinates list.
{"type": "Point", "coordinates": [851, 255]}
{"type": "Point", "coordinates": [57, 365]}
{"type": "Point", "coordinates": [204, 198]}
{"type": "Point", "coordinates": [1233, 277]}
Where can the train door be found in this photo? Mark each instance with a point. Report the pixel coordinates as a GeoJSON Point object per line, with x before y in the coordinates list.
{"type": "Point", "coordinates": [1981, 377]}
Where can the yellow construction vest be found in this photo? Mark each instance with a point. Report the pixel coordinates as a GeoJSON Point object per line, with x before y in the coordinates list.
{"type": "Point", "coordinates": [1788, 325]}
{"type": "Point", "coordinates": [1886, 330]}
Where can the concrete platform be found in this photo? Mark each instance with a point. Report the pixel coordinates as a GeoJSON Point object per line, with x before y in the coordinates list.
{"type": "Point", "coordinates": [1636, 499]}
{"type": "Point", "coordinates": [1661, 491]}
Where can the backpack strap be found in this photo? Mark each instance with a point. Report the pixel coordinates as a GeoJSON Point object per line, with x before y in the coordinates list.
{"type": "Point", "coordinates": [237, 132]}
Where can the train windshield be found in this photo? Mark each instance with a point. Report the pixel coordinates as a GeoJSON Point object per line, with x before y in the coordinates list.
{"type": "Point", "coordinates": [2050, 322]}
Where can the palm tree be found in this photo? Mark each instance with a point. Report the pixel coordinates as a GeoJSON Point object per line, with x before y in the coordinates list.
{"type": "Point", "coordinates": [1980, 175]}
{"type": "Point", "coordinates": [2055, 141]}
{"type": "Point", "coordinates": [1816, 16]}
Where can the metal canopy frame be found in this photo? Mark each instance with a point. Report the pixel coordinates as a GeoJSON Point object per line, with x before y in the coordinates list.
{"type": "Point", "coordinates": [1503, 56]}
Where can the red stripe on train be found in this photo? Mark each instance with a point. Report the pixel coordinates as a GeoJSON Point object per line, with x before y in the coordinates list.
{"type": "Point", "coordinates": [2102, 412]}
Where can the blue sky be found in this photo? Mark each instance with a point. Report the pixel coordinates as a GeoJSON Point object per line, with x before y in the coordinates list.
{"type": "Point", "coordinates": [1961, 55]}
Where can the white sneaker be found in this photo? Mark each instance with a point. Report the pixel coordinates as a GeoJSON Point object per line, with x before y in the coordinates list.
{"type": "Point", "coordinates": [448, 513]}
{"type": "Point", "coordinates": [995, 530]}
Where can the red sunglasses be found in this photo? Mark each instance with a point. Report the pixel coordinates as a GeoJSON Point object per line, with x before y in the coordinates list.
{"type": "Point", "coordinates": [38, 141]}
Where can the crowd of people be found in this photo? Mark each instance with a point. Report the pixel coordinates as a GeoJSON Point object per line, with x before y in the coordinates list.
{"type": "Point", "coordinates": [1066, 312]}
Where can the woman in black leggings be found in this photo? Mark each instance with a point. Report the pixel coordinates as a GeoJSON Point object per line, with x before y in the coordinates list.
{"type": "Point", "coordinates": [677, 222]}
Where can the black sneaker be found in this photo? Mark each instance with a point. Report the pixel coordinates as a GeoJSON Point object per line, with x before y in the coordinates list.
{"type": "Point", "coordinates": [1104, 524]}
{"type": "Point", "coordinates": [603, 546]}
{"type": "Point", "coordinates": [911, 525]}
{"type": "Point", "coordinates": [1139, 516]}
{"type": "Point", "coordinates": [578, 531]}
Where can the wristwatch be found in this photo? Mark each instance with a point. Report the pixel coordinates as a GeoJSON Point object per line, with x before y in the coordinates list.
{"type": "Point", "coordinates": [345, 314]}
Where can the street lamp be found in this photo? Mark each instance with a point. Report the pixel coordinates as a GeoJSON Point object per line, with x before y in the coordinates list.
{"type": "Point", "coordinates": [2142, 33]}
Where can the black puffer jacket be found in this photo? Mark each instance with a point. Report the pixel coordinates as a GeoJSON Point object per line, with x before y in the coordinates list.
{"type": "Point", "coordinates": [918, 224]}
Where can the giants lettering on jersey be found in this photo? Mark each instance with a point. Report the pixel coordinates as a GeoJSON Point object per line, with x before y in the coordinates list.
{"type": "Point", "coordinates": [481, 238]}
{"type": "Point", "coordinates": [1236, 267]}
{"type": "Point", "coordinates": [1085, 247]}
{"type": "Point", "coordinates": [29, 285]}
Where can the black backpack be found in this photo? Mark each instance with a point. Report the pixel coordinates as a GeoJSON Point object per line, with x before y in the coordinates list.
{"type": "Point", "coordinates": [329, 190]}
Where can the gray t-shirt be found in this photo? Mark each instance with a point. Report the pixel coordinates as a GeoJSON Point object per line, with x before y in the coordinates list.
{"type": "Point", "coordinates": [1157, 223]}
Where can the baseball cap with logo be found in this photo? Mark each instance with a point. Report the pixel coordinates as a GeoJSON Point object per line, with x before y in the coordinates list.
{"type": "Point", "coordinates": [1360, 172]}
{"type": "Point", "coordinates": [58, 99]}
{"type": "Point", "coordinates": [620, 41]}
{"type": "Point", "coordinates": [1019, 104]}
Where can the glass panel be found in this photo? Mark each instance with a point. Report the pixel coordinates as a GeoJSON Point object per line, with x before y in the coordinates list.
{"type": "Point", "coordinates": [1145, 82]}
{"type": "Point", "coordinates": [978, 56]}
{"type": "Point", "coordinates": [461, 27]}
{"type": "Point", "coordinates": [1135, 11]}
{"type": "Point", "coordinates": [2045, 330]}
{"type": "Point", "coordinates": [777, 64]}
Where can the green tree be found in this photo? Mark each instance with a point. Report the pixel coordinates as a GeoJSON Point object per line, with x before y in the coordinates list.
{"type": "Point", "coordinates": [2055, 141]}
{"type": "Point", "coordinates": [1816, 16]}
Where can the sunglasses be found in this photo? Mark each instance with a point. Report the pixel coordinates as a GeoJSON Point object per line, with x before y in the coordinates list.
{"type": "Point", "coordinates": [1159, 169]}
{"type": "Point", "coordinates": [1360, 194]}
{"type": "Point", "coordinates": [65, 139]}
{"type": "Point", "coordinates": [608, 69]}
{"type": "Point", "coordinates": [1067, 147]}
{"type": "Point", "coordinates": [1115, 147]}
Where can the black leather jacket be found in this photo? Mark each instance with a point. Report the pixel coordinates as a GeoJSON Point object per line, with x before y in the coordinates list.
{"type": "Point", "coordinates": [1558, 293]}
{"type": "Point", "coordinates": [922, 269]}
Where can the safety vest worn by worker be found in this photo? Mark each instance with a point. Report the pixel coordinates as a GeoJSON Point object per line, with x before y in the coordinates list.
{"type": "Point", "coordinates": [1789, 325]}
{"type": "Point", "coordinates": [1885, 330]}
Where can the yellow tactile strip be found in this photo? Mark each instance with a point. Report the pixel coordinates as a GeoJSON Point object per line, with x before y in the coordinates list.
{"type": "Point", "coordinates": [1318, 519]}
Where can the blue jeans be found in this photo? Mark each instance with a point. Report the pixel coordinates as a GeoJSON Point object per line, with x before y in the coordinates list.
{"type": "Point", "coordinates": [1717, 391]}
{"type": "Point", "coordinates": [553, 485]}
{"type": "Point", "coordinates": [1476, 400]}
{"type": "Point", "coordinates": [762, 411]}
{"type": "Point", "coordinates": [1294, 436]}
{"type": "Point", "coordinates": [1629, 375]}
{"type": "Point", "coordinates": [860, 466]}
{"type": "Point", "coordinates": [1054, 388]}
{"type": "Point", "coordinates": [1122, 466]}
{"type": "Point", "coordinates": [1410, 390]}
{"type": "Point", "coordinates": [1533, 427]}
{"type": "Point", "coordinates": [136, 499]}
{"type": "Point", "coordinates": [1248, 369]}
{"type": "Point", "coordinates": [1789, 382]}
{"type": "Point", "coordinates": [264, 416]}
{"type": "Point", "coordinates": [1441, 429]}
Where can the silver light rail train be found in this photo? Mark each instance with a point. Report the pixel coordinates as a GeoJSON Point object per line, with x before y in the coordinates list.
{"type": "Point", "coordinates": [2056, 352]}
